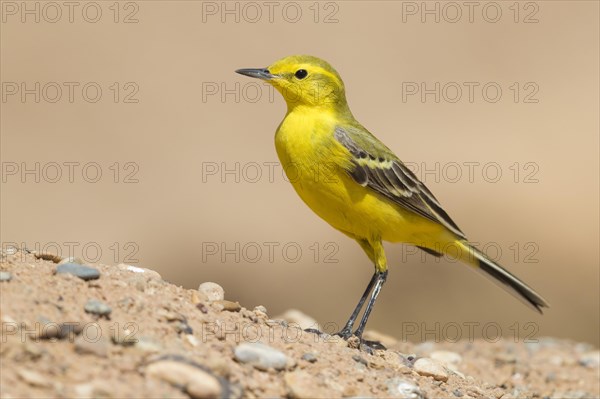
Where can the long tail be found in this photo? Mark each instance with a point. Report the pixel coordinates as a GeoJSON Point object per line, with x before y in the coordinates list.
{"type": "Point", "coordinates": [507, 281]}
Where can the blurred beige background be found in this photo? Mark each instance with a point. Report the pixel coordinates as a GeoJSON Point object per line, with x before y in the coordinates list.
{"type": "Point", "coordinates": [189, 183]}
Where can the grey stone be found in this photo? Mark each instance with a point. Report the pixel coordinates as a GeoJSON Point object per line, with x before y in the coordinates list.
{"type": "Point", "coordinates": [83, 272]}
{"type": "Point", "coordinates": [5, 276]}
{"type": "Point", "coordinates": [98, 308]}
{"type": "Point", "coordinates": [309, 357]}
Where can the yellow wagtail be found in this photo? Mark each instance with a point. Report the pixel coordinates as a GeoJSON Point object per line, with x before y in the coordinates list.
{"type": "Point", "coordinates": [356, 184]}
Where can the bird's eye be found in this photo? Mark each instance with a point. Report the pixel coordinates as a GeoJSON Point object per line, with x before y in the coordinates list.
{"type": "Point", "coordinates": [301, 73]}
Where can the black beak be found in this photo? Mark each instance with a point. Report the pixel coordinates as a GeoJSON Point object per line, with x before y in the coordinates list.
{"type": "Point", "coordinates": [260, 73]}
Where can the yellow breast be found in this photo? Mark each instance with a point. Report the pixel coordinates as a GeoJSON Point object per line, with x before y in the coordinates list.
{"type": "Point", "coordinates": [316, 165]}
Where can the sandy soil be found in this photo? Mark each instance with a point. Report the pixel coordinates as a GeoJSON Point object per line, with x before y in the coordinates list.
{"type": "Point", "coordinates": [129, 333]}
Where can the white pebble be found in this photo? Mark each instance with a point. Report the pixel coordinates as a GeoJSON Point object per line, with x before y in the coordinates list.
{"type": "Point", "coordinates": [213, 291]}
{"type": "Point", "coordinates": [261, 356]}
{"type": "Point", "coordinates": [400, 388]}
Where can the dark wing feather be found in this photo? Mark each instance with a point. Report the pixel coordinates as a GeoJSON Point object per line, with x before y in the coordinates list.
{"type": "Point", "coordinates": [376, 167]}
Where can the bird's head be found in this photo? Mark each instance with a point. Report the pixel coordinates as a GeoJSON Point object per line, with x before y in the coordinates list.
{"type": "Point", "coordinates": [303, 80]}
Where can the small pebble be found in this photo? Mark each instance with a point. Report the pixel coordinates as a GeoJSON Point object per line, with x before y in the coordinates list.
{"type": "Point", "coordinates": [359, 359]}
{"type": "Point", "coordinates": [431, 368]}
{"type": "Point", "coordinates": [182, 327]}
{"type": "Point", "coordinates": [261, 356]}
{"type": "Point", "coordinates": [213, 291]}
{"type": "Point", "coordinates": [590, 359]}
{"type": "Point", "coordinates": [457, 393]}
{"type": "Point", "coordinates": [148, 345]}
{"type": "Point", "coordinates": [170, 315]}
{"type": "Point", "coordinates": [400, 388]}
{"type": "Point", "coordinates": [34, 378]}
{"type": "Point", "coordinates": [261, 309]}
{"type": "Point", "coordinates": [141, 270]}
{"type": "Point", "coordinates": [228, 305]}
{"type": "Point", "coordinates": [476, 392]}
{"type": "Point", "coordinates": [48, 256]}
{"type": "Point", "coordinates": [309, 357]}
{"type": "Point", "coordinates": [83, 272]}
{"type": "Point", "coordinates": [191, 378]}
{"type": "Point", "coordinates": [96, 307]}
{"type": "Point", "coordinates": [123, 337]}
{"type": "Point", "coordinates": [193, 341]}
{"type": "Point", "coordinates": [5, 276]}
{"type": "Point", "coordinates": [202, 307]}
{"type": "Point", "coordinates": [94, 390]}
{"type": "Point", "coordinates": [407, 360]}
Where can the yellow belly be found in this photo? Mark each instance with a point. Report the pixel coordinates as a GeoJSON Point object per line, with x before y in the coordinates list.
{"type": "Point", "coordinates": [315, 165]}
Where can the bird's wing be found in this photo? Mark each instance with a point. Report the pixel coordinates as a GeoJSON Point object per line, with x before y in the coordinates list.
{"type": "Point", "coordinates": [375, 166]}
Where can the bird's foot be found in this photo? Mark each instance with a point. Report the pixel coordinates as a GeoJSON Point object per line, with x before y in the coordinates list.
{"type": "Point", "coordinates": [345, 334]}
{"type": "Point", "coordinates": [357, 342]}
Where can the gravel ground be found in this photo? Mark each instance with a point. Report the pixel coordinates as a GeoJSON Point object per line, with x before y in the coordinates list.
{"type": "Point", "coordinates": [100, 331]}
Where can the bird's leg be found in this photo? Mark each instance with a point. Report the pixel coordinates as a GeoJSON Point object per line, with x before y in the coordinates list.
{"type": "Point", "coordinates": [379, 278]}
{"type": "Point", "coordinates": [347, 330]}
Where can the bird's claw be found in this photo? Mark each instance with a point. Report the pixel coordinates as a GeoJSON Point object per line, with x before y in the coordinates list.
{"type": "Point", "coordinates": [345, 334]}
{"type": "Point", "coordinates": [360, 343]}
